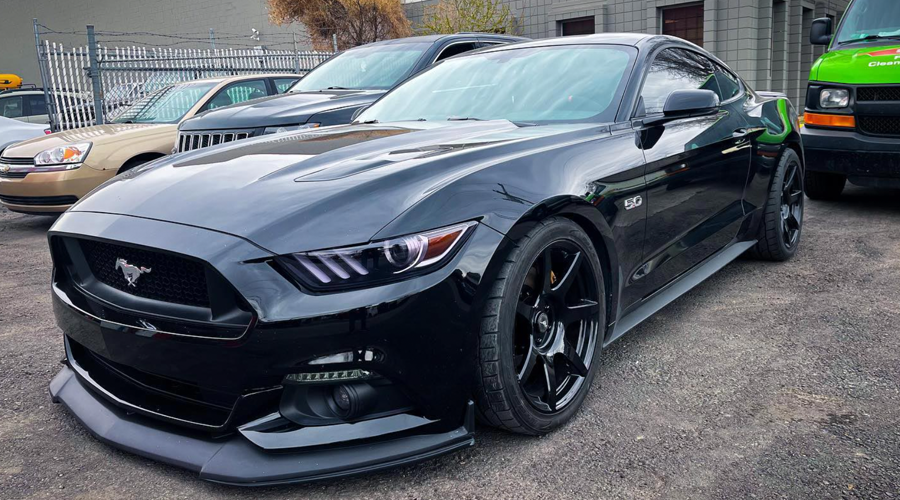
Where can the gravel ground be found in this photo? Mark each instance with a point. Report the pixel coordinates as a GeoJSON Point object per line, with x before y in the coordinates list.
{"type": "Point", "coordinates": [767, 381]}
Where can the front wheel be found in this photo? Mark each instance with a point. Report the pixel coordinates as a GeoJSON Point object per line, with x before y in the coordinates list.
{"type": "Point", "coordinates": [542, 331]}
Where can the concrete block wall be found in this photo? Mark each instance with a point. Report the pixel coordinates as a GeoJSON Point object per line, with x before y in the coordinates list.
{"type": "Point", "coordinates": [766, 41]}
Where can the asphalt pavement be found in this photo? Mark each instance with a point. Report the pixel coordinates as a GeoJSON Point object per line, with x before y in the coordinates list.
{"type": "Point", "coordinates": [766, 381]}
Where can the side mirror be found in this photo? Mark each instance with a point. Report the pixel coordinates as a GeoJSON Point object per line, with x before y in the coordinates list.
{"type": "Point", "coordinates": [685, 104]}
{"type": "Point", "coordinates": [820, 31]}
{"type": "Point", "coordinates": [357, 113]}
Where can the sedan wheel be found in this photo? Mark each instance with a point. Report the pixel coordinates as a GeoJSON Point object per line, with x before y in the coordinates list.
{"type": "Point", "coordinates": [541, 335]}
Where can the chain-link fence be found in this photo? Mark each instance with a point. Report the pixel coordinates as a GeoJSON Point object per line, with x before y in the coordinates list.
{"type": "Point", "coordinates": [93, 83]}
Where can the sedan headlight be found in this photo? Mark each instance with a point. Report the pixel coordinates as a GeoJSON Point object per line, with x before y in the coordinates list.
{"type": "Point", "coordinates": [290, 128]}
{"type": "Point", "coordinates": [67, 157]}
{"type": "Point", "coordinates": [834, 98]}
{"type": "Point", "coordinates": [376, 263]}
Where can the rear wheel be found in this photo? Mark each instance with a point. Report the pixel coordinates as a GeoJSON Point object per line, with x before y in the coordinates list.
{"type": "Point", "coordinates": [824, 185]}
{"type": "Point", "coordinates": [783, 213]}
{"type": "Point", "coordinates": [542, 331]}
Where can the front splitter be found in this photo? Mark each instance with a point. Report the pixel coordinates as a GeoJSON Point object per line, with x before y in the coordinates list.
{"type": "Point", "coordinates": [233, 459]}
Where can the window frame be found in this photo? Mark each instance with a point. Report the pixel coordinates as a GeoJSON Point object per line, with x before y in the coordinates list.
{"type": "Point", "coordinates": [441, 50]}
{"type": "Point", "coordinates": [652, 59]}
{"type": "Point", "coordinates": [265, 81]}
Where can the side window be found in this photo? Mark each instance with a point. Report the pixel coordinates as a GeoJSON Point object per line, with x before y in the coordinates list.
{"type": "Point", "coordinates": [237, 93]}
{"type": "Point", "coordinates": [729, 85]}
{"type": "Point", "coordinates": [12, 107]}
{"type": "Point", "coordinates": [454, 49]}
{"type": "Point", "coordinates": [675, 69]}
{"type": "Point", "coordinates": [282, 84]}
{"type": "Point", "coordinates": [36, 105]}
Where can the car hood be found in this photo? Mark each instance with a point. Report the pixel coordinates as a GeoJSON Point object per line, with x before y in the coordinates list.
{"type": "Point", "coordinates": [285, 109]}
{"type": "Point", "coordinates": [866, 64]}
{"type": "Point", "coordinates": [334, 187]}
{"type": "Point", "coordinates": [117, 134]}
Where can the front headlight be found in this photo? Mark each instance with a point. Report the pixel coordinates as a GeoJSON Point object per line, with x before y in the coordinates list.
{"type": "Point", "coordinates": [67, 157]}
{"type": "Point", "coordinates": [834, 98]}
{"type": "Point", "coordinates": [290, 128]}
{"type": "Point", "coordinates": [376, 263]}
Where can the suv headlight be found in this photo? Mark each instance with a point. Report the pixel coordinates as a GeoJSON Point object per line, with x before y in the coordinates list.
{"type": "Point", "coordinates": [290, 128]}
{"type": "Point", "coordinates": [376, 263]}
{"type": "Point", "coordinates": [834, 98]}
{"type": "Point", "coordinates": [68, 157]}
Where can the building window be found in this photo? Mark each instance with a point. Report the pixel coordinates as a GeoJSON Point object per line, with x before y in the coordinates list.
{"type": "Point", "coordinates": [684, 22]}
{"type": "Point", "coordinates": [580, 26]}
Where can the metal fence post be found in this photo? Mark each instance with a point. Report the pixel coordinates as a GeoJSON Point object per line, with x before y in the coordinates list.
{"type": "Point", "coordinates": [95, 76]}
{"type": "Point", "coordinates": [296, 54]}
{"type": "Point", "coordinates": [334, 42]}
{"type": "Point", "coordinates": [51, 109]}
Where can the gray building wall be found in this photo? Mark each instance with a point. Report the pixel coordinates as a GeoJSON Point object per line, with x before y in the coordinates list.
{"type": "Point", "coordinates": [766, 41]}
{"type": "Point", "coordinates": [232, 21]}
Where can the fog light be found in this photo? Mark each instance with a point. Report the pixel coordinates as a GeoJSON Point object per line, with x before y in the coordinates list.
{"type": "Point", "coordinates": [342, 399]}
{"type": "Point", "coordinates": [335, 376]}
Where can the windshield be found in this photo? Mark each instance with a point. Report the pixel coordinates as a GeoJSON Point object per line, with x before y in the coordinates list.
{"type": "Point", "coordinates": [870, 18]}
{"type": "Point", "coordinates": [168, 105]}
{"type": "Point", "coordinates": [546, 84]}
{"type": "Point", "coordinates": [376, 67]}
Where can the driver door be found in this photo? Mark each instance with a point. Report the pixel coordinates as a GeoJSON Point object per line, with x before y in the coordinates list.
{"type": "Point", "coordinates": [696, 171]}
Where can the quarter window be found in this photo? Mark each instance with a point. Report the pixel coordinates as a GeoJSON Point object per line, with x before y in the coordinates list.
{"type": "Point", "coordinates": [36, 105]}
{"type": "Point", "coordinates": [675, 69]}
{"type": "Point", "coordinates": [729, 85]}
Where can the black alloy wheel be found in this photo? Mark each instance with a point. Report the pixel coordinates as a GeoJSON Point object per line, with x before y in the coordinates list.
{"type": "Point", "coordinates": [782, 219]}
{"type": "Point", "coordinates": [542, 330]}
{"type": "Point", "coordinates": [556, 327]}
{"type": "Point", "coordinates": [791, 205]}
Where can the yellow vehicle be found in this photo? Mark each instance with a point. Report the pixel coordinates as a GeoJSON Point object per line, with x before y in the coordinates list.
{"type": "Point", "coordinates": [10, 81]}
{"type": "Point", "coordinates": [48, 174]}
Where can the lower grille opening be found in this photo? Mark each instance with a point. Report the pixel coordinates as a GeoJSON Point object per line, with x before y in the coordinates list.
{"type": "Point", "coordinates": [880, 125]}
{"type": "Point", "coordinates": [158, 395]}
{"type": "Point", "coordinates": [36, 201]}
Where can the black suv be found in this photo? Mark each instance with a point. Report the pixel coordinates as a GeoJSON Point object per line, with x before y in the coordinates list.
{"type": "Point", "coordinates": [333, 91]}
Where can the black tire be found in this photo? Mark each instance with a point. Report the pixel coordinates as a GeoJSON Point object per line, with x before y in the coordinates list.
{"type": "Point", "coordinates": [824, 185]}
{"type": "Point", "coordinates": [501, 400]}
{"type": "Point", "coordinates": [779, 232]}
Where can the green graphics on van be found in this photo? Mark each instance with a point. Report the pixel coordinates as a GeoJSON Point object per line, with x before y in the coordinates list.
{"type": "Point", "coordinates": [866, 47]}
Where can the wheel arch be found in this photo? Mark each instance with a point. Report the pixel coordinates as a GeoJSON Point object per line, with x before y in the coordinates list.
{"type": "Point", "coordinates": [139, 159]}
{"type": "Point", "coordinates": [591, 221]}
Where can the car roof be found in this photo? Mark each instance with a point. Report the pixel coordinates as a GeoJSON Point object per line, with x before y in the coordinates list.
{"type": "Point", "coordinates": [631, 39]}
{"type": "Point", "coordinates": [228, 79]}
{"type": "Point", "coordinates": [436, 38]}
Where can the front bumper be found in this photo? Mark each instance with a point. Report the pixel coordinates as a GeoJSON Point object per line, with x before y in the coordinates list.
{"type": "Point", "coordinates": [865, 160]}
{"type": "Point", "coordinates": [50, 192]}
{"type": "Point", "coordinates": [145, 383]}
{"type": "Point", "coordinates": [234, 459]}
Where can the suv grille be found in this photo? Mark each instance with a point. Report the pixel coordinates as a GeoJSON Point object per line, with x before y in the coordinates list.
{"type": "Point", "coordinates": [880, 125]}
{"type": "Point", "coordinates": [172, 279]}
{"type": "Point", "coordinates": [17, 161]}
{"type": "Point", "coordinates": [878, 94]}
{"type": "Point", "coordinates": [189, 141]}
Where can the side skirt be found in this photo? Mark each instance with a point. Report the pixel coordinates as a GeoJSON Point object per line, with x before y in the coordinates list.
{"type": "Point", "coordinates": [678, 288]}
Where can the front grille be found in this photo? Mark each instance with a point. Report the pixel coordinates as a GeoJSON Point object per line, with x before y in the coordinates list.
{"type": "Point", "coordinates": [880, 125]}
{"type": "Point", "coordinates": [37, 201]}
{"type": "Point", "coordinates": [878, 94]}
{"type": "Point", "coordinates": [171, 278]}
{"type": "Point", "coordinates": [189, 141]}
{"type": "Point", "coordinates": [17, 161]}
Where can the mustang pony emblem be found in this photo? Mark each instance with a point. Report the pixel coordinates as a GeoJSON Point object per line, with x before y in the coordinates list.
{"type": "Point", "coordinates": [131, 273]}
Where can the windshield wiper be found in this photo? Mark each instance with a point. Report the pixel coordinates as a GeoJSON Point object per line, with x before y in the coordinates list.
{"type": "Point", "coordinates": [869, 38]}
{"type": "Point", "coordinates": [367, 122]}
{"type": "Point", "coordinates": [337, 88]}
{"type": "Point", "coordinates": [464, 119]}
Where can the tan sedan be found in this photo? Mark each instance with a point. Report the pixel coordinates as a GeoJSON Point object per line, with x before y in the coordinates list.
{"type": "Point", "coordinates": [48, 174]}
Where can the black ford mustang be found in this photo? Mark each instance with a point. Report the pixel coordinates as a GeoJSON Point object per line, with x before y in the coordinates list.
{"type": "Point", "coordinates": [309, 305]}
